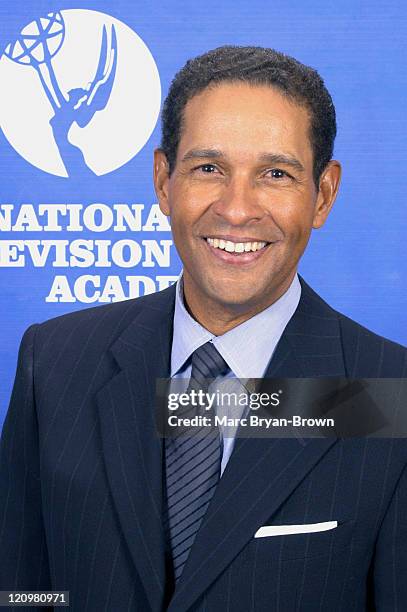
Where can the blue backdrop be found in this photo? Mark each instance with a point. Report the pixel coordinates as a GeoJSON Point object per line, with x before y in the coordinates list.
{"type": "Point", "coordinates": [356, 262]}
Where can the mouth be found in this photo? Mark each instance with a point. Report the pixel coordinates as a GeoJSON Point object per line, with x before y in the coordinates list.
{"type": "Point", "coordinates": [237, 252]}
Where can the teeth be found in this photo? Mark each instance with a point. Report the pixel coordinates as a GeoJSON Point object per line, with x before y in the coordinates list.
{"type": "Point", "coordinates": [235, 247]}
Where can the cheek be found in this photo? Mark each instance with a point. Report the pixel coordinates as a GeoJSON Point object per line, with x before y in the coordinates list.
{"type": "Point", "coordinates": [180, 232]}
{"type": "Point", "coordinates": [294, 218]}
{"type": "Point", "coordinates": [189, 213]}
{"type": "Point", "coordinates": [184, 216]}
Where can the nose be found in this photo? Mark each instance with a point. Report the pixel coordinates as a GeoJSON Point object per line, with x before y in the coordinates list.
{"type": "Point", "coordinates": [238, 203]}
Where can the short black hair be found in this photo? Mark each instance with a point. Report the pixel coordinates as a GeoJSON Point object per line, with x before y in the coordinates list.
{"type": "Point", "coordinates": [257, 66]}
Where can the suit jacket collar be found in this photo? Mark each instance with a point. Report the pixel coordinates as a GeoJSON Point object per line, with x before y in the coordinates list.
{"type": "Point", "coordinates": [260, 475]}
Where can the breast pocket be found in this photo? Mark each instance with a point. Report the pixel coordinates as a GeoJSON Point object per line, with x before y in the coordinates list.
{"type": "Point", "coordinates": [305, 545]}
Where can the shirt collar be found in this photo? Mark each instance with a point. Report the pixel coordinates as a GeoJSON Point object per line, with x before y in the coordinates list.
{"type": "Point", "coordinates": [248, 347]}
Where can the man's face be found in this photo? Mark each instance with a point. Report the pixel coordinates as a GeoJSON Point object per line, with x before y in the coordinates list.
{"type": "Point", "coordinates": [241, 198]}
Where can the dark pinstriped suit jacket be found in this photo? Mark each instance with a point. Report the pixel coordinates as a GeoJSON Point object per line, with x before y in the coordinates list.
{"type": "Point", "coordinates": [81, 477]}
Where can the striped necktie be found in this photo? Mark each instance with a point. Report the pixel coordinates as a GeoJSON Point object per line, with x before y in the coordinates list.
{"type": "Point", "coordinates": [192, 465]}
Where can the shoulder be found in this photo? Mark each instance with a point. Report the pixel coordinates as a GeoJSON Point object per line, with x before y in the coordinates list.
{"type": "Point", "coordinates": [99, 325]}
{"type": "Point", "coordinates": [363, 347]}
{"type": "Point", "coordinates": [366, 353]}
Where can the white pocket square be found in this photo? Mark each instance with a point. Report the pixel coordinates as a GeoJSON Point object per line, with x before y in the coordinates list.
{"type": "Point", "coordinates": [278, 530]}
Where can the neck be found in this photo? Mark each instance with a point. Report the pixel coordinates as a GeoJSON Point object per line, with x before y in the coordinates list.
{"type": "Point", "coordinates": [219, 317]}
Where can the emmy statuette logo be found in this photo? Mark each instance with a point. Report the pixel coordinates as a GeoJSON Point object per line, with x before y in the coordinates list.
{"type": "Point", "coordinates": [81, 93]}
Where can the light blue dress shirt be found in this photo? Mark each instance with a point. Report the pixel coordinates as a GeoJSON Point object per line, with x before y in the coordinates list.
{"type": "Point", "coordinates": [247, 348]}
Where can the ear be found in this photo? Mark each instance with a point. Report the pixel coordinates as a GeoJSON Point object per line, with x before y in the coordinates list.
{"type": "Point", "coordinates": [161, 179]}
{"type": "Point", "coordinates": [328, 189]}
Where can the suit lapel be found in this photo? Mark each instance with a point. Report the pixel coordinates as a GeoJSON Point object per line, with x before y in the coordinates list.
{"type": "Point", "coordinates": [262, 473]}
{"type": "Point", "coordinates": [132, 449]}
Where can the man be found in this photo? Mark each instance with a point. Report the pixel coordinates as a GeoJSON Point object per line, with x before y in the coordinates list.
{"type": "Point", "coordinates": [94, 502]}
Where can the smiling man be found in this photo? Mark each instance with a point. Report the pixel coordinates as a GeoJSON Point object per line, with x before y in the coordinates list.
{"type": "Point", "coordinates": [93, 502]}
{"type": "Point", "coordinates": [244, 192]}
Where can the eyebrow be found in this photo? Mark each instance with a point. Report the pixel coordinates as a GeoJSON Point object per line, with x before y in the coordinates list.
{"type": "Point", "coordinates": [202, 154]}
{"type": "Point", "coordinates": [279, 158]}
{"type": "Point", "coordinates": [269, 158]}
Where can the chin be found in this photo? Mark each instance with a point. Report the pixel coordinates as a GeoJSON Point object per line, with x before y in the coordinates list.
{"type": "Point", "coordinates": [233, 296]}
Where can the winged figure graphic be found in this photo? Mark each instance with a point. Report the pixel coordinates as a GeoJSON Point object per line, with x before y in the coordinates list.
{"type": "Point", "coordinates": [82, 104]}
{"type": "Point", "coordinates": [97, 95]}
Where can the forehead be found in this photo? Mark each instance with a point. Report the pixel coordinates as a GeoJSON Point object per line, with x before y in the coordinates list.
{"type": "Point", "coordinates": [240, 118]}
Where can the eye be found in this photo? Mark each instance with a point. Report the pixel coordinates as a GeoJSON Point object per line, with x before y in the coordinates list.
{"type": "Point", "coordinates": [277, 173]}
{"type": "Point", "coordinates": [207, 168]}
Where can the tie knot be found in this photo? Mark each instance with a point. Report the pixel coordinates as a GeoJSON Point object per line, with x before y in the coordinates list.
{"type": "Point", "coordinates": [207, 362]}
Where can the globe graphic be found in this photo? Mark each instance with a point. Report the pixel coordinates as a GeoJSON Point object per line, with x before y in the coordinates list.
{"type": "Point", "coordinates": [38, 41]}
